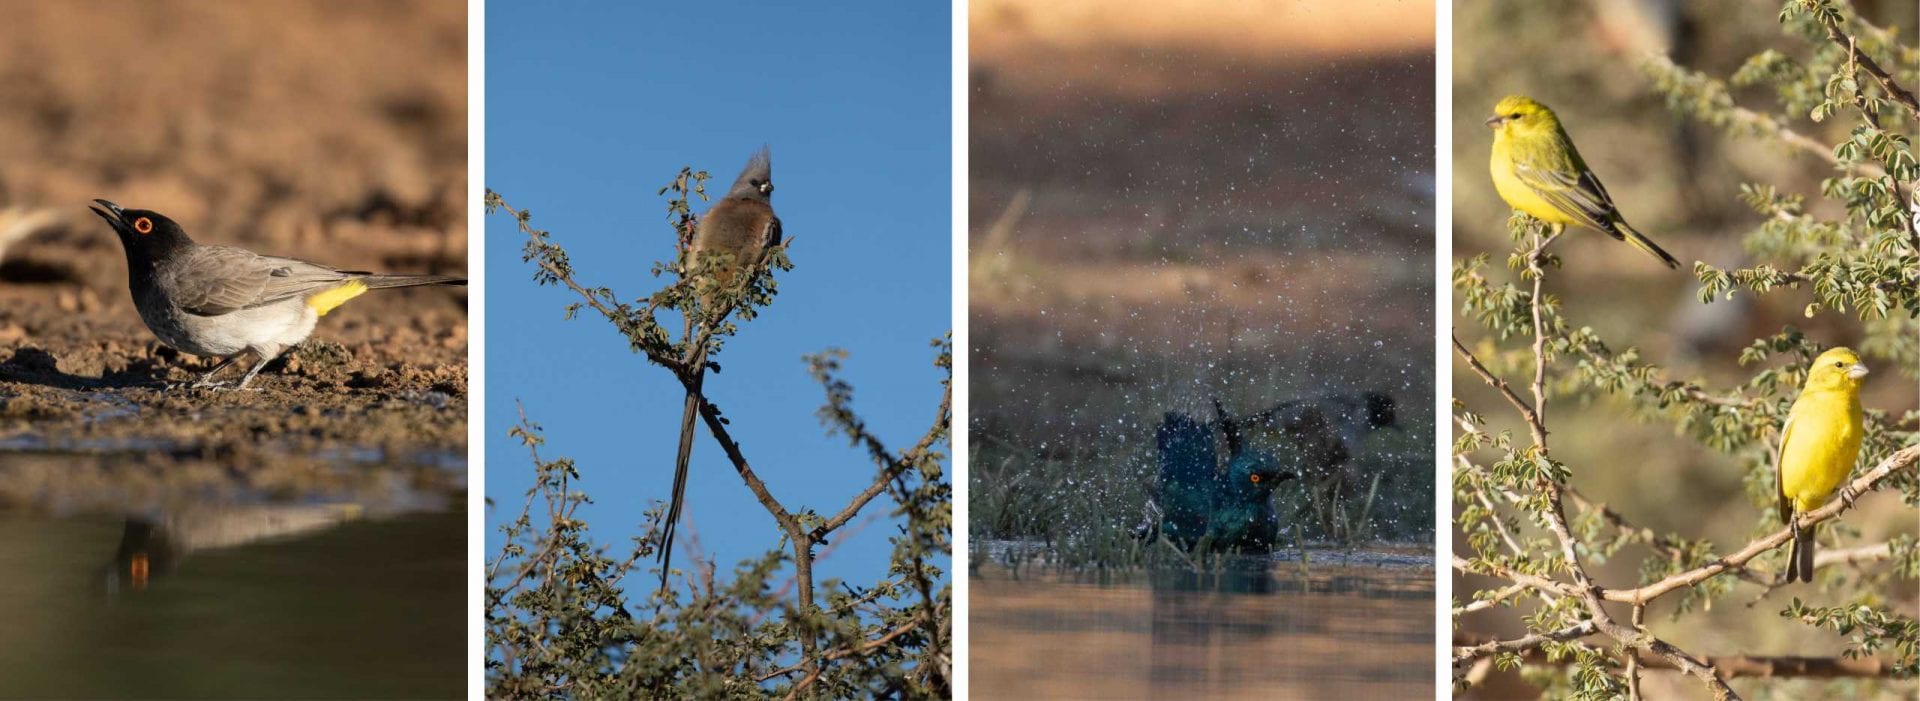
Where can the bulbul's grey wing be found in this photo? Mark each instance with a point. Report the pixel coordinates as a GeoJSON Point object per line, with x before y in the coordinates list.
{"type": "Point", "coordinates": [215, 280]}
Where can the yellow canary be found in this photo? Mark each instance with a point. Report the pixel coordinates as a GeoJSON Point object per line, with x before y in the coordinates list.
{"type": "Point", "coordinates": [1818, 445]}
{"type": "Point", "coordinates": [1537, 170]}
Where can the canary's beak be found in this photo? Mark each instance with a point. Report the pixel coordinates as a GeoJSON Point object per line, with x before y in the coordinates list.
{"type": "Point", "coordinates": [1857, 371]}
{"type": "Point", "coordinates": [1495, 121]}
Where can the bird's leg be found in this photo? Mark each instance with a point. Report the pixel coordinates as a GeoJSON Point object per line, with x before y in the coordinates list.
{"type": "Point", "coordinates": [255, 370]}
{"type": "Point", "coordinates": [207, 379]}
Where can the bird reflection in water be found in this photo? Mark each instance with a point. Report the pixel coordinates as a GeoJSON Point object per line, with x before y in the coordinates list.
{"type": "Point", "coordinates": [153, 547]}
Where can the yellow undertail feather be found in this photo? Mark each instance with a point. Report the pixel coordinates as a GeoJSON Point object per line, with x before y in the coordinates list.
{"type": "Point", "coordinates": [325, 300]}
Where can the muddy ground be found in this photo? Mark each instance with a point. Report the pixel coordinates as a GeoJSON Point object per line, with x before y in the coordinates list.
{"type": "Point", "coordinates": [333, 132]}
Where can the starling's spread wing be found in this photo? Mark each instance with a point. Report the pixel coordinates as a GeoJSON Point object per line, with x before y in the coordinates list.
{"type": "Point", "coordinates": [1569, 186]}
{"type": "Point", "coordinates": [1188, 475]}
{"type": "Point", "coordinates": [215, 280]}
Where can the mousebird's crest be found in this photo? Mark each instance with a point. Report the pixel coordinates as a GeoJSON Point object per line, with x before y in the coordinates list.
{"type": "Point", "coordinates": [756, 179]}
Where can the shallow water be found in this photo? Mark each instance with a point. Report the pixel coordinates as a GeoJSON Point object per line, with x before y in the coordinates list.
{"type": "Point", "coordinates": [1254, 630]}
{"type": "Point", "coordinates": [156, 580]}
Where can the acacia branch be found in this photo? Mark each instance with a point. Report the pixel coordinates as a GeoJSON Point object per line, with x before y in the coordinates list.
{"type": "Point", "coordinates": [1464, 653]}
{"type": "Point", "coordinates": [1733, 666]}
{"type": "Point", "coordinates": [1887, 82]}
{"type": "Point", "coordinates": [864, 648]}
{"type": "Point", "coordinates": [1521, 405]}
{"type": "Point", "coordinates": [1902, 459]}
{"type": "Point", "coordinates": [943, 422]}
{"type": "Point", "coordinates": [1555, 514]}
{"type": "Point", "coordinates": [1766, 126]}
{"type": "Point", "coordinates": [1483, 604]}
{"type": "Point", "coordinates": [1664, 545]}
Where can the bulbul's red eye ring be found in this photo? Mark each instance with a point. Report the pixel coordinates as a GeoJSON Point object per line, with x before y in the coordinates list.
{"type": "Point", "coordinates": [143, 225]}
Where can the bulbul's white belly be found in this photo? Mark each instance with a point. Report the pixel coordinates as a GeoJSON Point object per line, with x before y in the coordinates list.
{"type": "Point", "coordinates": [267, 330]}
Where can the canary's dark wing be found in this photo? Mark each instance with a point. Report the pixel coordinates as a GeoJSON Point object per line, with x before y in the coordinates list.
{"type": "Point", "coordinates": [1560, 177]}
{"type": "Point", "coordinates": [1779, 483]}
{"type": "Point", "coordinates": [215, 280]}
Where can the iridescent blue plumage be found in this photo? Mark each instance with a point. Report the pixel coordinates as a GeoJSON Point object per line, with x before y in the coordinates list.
{"type": "Point", "coordinates": [1242, 517]}
{"type": "Point", "coordinates": [1200, 506]}
{"type": "Point", "coordinates": [1188, 477]}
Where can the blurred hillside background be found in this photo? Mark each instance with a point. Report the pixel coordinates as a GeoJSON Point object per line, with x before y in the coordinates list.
{"type": "Point", "coordinates": [1176, 202]}
{"type": "Point", "coordinates": [1677, 180]}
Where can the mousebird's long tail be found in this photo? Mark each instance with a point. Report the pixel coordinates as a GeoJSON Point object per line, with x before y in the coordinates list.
{"type": "Point", "coordinates": [679, 484]}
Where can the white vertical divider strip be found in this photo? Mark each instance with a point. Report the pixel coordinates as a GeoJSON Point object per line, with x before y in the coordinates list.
{"type": "Point", "coordinates": [961, 344]}
{"type": "Point", "coordinates": [1443, 329]}
{"type": "Point", "coordinates": [476, 348]}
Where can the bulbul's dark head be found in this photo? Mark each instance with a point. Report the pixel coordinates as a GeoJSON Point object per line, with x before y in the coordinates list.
{"type": "Point", "coordinates": [145, 234]}
{"type": "Point", "coordinates": [756, 180]}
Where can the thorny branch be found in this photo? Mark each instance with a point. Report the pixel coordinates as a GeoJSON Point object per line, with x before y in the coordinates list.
{"type": "Point", "coordinates": [1733, 666]}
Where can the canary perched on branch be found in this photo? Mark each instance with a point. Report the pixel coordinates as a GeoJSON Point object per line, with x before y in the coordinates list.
{"type": "Point", "coordinates": [1537, 170]}
{"type": "Point", "coordinates": [1818, 445]}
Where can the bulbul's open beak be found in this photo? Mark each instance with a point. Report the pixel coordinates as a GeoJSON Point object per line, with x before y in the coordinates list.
{"type": "Point", "coordinates": [1494, 121]}
{"type": "Point", "coordinates": [1857, 371]}
{"type": "Point", "coordinates": [115, 216]}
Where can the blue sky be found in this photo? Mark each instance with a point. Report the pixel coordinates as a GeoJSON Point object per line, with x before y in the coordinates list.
{"type": "Point", "coordinates": [591, 108]}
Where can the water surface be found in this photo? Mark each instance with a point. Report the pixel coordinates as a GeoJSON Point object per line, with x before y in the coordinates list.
{"type": "Point", "coordinates": [1253, 630]}
{"type": "Point", "coordinates": [124, 578]}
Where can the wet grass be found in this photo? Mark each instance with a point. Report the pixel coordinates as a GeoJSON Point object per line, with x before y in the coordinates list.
{"type": "Point", "coordinates": [1083, 505]}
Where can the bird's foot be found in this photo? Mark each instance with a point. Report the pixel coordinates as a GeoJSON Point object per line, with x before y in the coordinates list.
{"type": "Point", "coordinates": [222, 386]}
{"type": "Point", "coordinates": [1848, 495]}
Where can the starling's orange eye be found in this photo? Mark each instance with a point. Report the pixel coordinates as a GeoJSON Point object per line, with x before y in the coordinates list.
{"type": "Point", "coordinates": [1255, 478]}
{"type": "Point", "coordinates": [143, 225]}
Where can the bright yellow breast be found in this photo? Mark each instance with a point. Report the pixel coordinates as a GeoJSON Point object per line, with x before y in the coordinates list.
{"type": "Point", "coordinates": [1821, 445]}
{"type": "Point", "coordinates": [1518, 194]}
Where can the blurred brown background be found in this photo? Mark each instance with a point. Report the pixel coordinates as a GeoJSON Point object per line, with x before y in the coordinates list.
{"type": "Point", "coordinates": [1175, 201]}
{"type": "Point", "coordinates": [1677, 181]}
